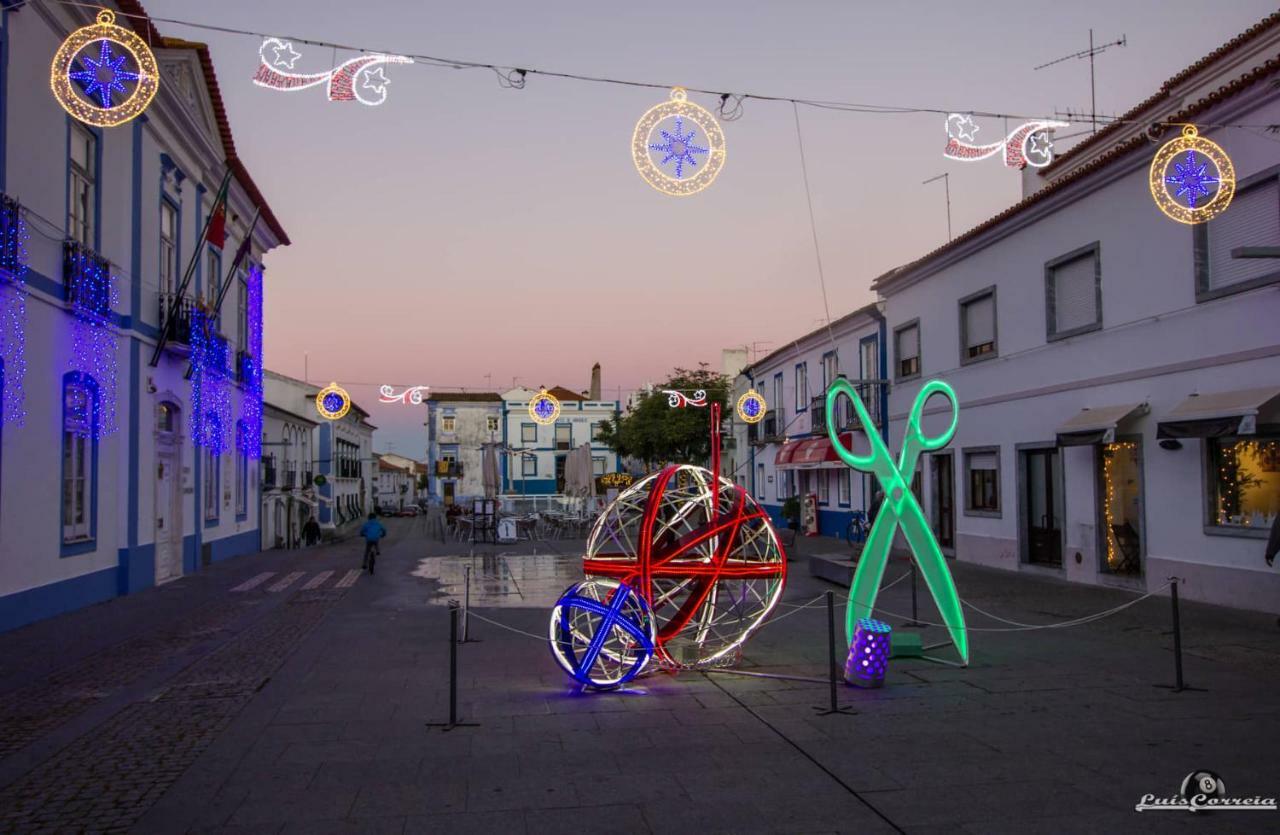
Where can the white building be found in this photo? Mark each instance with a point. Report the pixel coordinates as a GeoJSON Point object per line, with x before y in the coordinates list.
{"type": "Point", "coordinates": [459, 424]}
{"type": "Point", "coordinates": [1118, 372]}
{"type": "Point", "coordinates": [102, 491]}
{"type": "Point", "coordinates": [534, 463]}
{"type": "Point", "coordinates": [288, 472]}
{"type": "Point", "coordinates": [342, 453]}
{"type": "Point", "coordinates": [397, 484]}
{"type": "Point", "coordinates": [788, 453]}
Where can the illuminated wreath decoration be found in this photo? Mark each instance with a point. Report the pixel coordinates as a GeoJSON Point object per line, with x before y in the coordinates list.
{"type": "Point", "coordinates": [752, 406]}
{"type": "Point", "coordinates": [122, 64]}
{"type": "Point", "coordinates": [710, 575]}
{"type": "Point", "coordinates": [657, 150]}
{"type": "Point", "coordinates": [1186, 171]}
{"type": "Point", "coordinates": [544, 408]}
{"type": "Point", "coordinates": [333, 402]}
{"type": "Point", "coordinates": [601, 633]}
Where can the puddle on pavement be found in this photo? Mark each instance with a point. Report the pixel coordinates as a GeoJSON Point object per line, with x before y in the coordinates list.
{"type": "Point", "coordinates": [515, 580]}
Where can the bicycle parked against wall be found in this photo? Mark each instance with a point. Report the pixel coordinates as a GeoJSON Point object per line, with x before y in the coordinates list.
{"type": "Point", "coordinates": [856, 532]}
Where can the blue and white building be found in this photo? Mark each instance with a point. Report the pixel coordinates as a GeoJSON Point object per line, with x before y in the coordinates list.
{"type": "Point", "coordinates": [534, 463]}
{"type": "Point", "coordinates": [103, 489]}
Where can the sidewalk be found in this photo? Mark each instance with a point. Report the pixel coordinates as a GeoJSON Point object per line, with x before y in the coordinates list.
{"type": "Point", "coordinates": [307, 713]}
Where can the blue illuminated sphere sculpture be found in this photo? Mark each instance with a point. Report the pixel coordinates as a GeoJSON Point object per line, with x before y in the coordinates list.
{"type": "Point", "coordinates": [602, 633]}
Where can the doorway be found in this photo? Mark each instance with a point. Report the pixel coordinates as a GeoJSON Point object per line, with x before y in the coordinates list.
{"type": "Point", "coordinates": [560, 473]}
{"type": "Point", "coordinates": [944, 502]}
{"type": "Point", "coordinates": [168, 494]}
{"type": "Point", "coordinates": [447, 487]}
{"type": "Point", "coordinates": [1120, 507]}
{"type": "Point", "coordinates": [1041, 476]}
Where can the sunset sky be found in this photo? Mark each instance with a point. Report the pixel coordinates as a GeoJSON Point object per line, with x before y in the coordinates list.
{"type": "Point", "coordinates": [463, 230]}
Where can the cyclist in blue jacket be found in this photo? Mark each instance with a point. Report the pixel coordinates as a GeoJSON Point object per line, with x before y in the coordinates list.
{"type": "Point", "coordinates": [372, 531]}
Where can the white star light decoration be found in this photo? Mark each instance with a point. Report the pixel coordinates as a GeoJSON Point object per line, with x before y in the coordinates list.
{"type": "Point", "coordinates": [1028, 144]}
{"type": "Point", "coordinates": [281, 59]}
{"type": "Point", "coordinates": [671, 159]}
{"type": "Point", "coordinates": [346, 82]}
{"type": "Point", "coordinates": [376, 80]}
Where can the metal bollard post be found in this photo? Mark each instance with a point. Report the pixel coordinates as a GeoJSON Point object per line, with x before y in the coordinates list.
{"type": "Point", "coordinates": [915, 613]}
{"type": "Point", "coordinates": [831, 658]}
{"type": "Point", "coordinates": [1179, 684]}
{"type": "Point", "coordinates": [466, 603]}
{"type": "Point", "coordinates": [453, 675]}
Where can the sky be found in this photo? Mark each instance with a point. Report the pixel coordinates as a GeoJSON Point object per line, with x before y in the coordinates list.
{"type": "Point", "coordinates": [466, 235]}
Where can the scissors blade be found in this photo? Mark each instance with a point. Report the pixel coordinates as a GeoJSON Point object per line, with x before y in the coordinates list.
{"type": "Point", "coordinates": [870, 572]}
{"type": "Point", "coordinates": [936, 574]}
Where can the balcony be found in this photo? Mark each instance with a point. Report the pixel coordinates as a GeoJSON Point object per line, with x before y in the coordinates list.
{"type": "Point", "coordinates": [308, 479]}
{"type": "Point", "coordinates": [764, 432]}
{"type": "Point", "coordinates": [86, 278]}
{"type": "Point", "coordinates": [10, 242]}
{"type": "Point", "coordinates": [244, 366]}
{"type": "Point", "coordinates": [449, 469]}
{"type": "Point", "coordinates": [268, 472]}
{"type": "Point", "coordinates": [870, 393]}
{"type": "Point", "coordinates": [818, 414]}
{"type": "Point", "coordinates": [290, 479]}
{"type": "Point", "coordinates": [180, 332]}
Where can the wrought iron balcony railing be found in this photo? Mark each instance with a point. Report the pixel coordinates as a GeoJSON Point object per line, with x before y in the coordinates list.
{"type": "Point", "coordinates": [180, 332]}
{"type": "Point", "coordinates": [86, 280]}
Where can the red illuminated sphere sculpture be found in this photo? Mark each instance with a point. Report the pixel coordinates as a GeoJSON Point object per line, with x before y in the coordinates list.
{"type": "Point", "coordinates": [705, 558]}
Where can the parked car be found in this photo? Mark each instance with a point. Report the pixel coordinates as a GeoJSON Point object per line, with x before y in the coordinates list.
{"type": "Point", "coordinates": [408, 510]}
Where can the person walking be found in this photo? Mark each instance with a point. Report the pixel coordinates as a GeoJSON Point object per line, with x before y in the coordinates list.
{"type": "Point", "coordinates": [1273, 546]}
{"type": "Point", "coordinates": [372, 531]}
{"type": "Point", "coordinates": [311, 531]}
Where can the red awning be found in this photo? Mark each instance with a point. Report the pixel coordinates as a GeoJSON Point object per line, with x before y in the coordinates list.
{"type": "Point", "coordinates": [811, 452]}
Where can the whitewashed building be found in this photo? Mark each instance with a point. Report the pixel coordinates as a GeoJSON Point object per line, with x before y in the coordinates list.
{"type": "Point", "coordinates": [788, 453]}
{"type": "Point", "coordinates": [1118, 372]}
{"type": "Point", "coordinates": [459, 424]}
{"type": "Point", "coordinates": [397, 484]}
{"type": "Point", "coordinates": [102, 491]}
{"type": "Point", "coordinates": [288, 473]}
{"type": "Point", "coordinates": [342, 453]}
{"type": "Point", "coordinates": [534, 460]}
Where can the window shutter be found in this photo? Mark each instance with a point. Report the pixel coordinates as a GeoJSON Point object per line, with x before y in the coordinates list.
{"type": "Point", "coordinates": [982, 461]}
{"type": "Point", "coordinates": [1075, 302]}
{"type": "Point", "coordinates": [980, 324]}
{"type": "Point", "coordinates": [1252, 220]}
{"type": "Point", "coordinates": [908, 343]}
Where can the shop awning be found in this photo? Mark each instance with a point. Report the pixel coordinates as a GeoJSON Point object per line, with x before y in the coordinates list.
{"type": "Point", "coordinates": [815, 452]}
{"type": "Point", "coordinates": [785, 453]}
{"type": "Point", "coordinates": [1223, 413]}
{"type": "Point", "coordinates": [1097, 426]}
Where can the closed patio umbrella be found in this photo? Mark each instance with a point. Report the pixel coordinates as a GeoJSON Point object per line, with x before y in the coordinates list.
{"type": "Point", "coordinates": [489, 470]}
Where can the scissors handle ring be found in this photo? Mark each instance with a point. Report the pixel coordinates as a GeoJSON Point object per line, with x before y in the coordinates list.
{"type": "Point", "coordinates": [915, 431]}
{"type": "Point", "coordinates": [864, 463]}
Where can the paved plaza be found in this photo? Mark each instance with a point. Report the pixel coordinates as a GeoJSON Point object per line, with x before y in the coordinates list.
{"type": "Point", "coordinates": [288, 692]}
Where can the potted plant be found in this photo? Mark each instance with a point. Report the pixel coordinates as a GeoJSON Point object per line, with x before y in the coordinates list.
{"type": "Point", "coordinates": [791, 512]}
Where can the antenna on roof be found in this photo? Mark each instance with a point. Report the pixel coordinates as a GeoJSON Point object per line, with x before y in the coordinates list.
{"type": "Point", "coordinates": [1089, 53]}
{"type": "Point", "coordinates": [946, 181]}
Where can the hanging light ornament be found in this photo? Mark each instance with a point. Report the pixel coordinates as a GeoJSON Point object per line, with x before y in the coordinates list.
{"type": "Point", "coordinates": [544, 408]}
{"type": "Point", "coordinates": [333, 402]}
{"type": "Point", "coordinates": [1192, 179]}
{"type": "Point", "coordinates": [678, 146]}
{"type": "Point", "coordinates": [103, 74]}
{"type": "Point", "coordinates": [751, 407]}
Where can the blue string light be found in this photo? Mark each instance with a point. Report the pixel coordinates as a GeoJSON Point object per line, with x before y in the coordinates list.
{"type": "Point", "coordinates": [1192, 180]}
{"type": "Point", "coordinates": [250, 440]}
{"type": "Point", "coordinates": [210, 388]}
{"type": "Point", "coordinates": [91, 294]}
{"type": "Point", "coordinates": [679, 147]}
{"type": "Point", "coordinates": [104, 75]}
{"type": "Point", "coordinates": [13, 311]}
{"type": "Point", "coordinates": [602, 633]}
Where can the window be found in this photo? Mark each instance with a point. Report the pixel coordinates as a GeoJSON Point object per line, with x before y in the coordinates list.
{"type": "Point", "coordinates": [595, 430]}
{"type": "Point", "coordinates": [869, 358]}
{"type": "Point", "coordinates": [824, 486]}
{"type": "Point", "coordinates": [564, 435]}
{"type": "Point", "coordinates": [83, 183]}
{"type": "Point", "coordinates": [1073, 293]}
{"type": "Point", "coordinates": [242, 310]}
{"type": "Point", "coordinates": [843, 487]}
{"type": "Point", "coordinates": [529, 465]}
{"type": "Point", "coordinates": [597, 464]}
{"type": "Point", "coordinates": [1244, 483]}
{"type": "Point", "coordinates": [213, 281]}
{"type": "Point", "coordinates": [242, 473]}
{"type": "Point", "coordinates": [491, 423]}
{"type": "Point", "coordinates": [978, 326]}
{"type": "Point", "coordinates": [528, 433]}
{"type": "Point", "coordinates": [449, 423]}
{"type": "Point", "coordinates": [778, 402]}
{"type": "Point", "coordinates": [802, 387]}
{"type": "Point", "coordinates": [906, 350]}
{"type": "Point", "coordinates": [760, 482]}
{"type": "Point", "coordinates": [166, 415]}
{"type": "Point", "coordinates": [79, 471]}
{"type": "Point", "coordinates": [982, 485]}
{"type": "Point", "coordinates": [1253, 221]}
{"type": "Point", "coordinates": [168, 247]}
{"type": "Point", "coordinates": [830, 369]}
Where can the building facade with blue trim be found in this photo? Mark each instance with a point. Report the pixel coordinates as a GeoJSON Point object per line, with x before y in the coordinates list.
{"type": "Point", "coordinates": [103, 490]}
{"type": "Point", "coordinates": [535, 459]}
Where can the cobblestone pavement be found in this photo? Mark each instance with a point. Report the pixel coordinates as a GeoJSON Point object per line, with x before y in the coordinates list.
{"type": "Point", "coordinates": [308, 713]}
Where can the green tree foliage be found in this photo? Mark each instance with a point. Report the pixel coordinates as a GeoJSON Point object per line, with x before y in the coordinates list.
{"type": "Point", "coordinates": [657, 434]}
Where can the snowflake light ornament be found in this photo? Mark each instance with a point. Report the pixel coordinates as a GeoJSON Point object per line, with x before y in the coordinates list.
{"type": "Point", "coordinates": [678, 146]}
{"type": "Point", "coordinates": [1192, 179]}
{"type": "Point", "coordinates": [103, 74]}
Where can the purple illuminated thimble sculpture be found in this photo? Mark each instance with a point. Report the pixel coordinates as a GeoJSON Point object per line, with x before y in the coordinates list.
{"type": "Point", "coordinates": [868, 654]}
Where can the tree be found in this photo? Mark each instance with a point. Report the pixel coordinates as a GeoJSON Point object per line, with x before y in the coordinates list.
{"type": "Point", "coordinates": [656, 433]}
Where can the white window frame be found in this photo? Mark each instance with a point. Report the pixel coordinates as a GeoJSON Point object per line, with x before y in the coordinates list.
{"type": "Point", "coordinates": [491, 423]}
{"type": "Point", "coordinates": [965, 304]}
{"type": "Point", "coordinates": [527, 429]}
{"type": "Point", "coordinates": [898, 373]}
{"type": "Point", "coordinates": [448, 423]}
{"type": "Point", "coordinates": [209, 484]}
{"type": "Point", "coordinates": [1092, 251]}
{"type": "Point", "coordinates": [528, 465]}
{"type": "Point", "coordinates": [77, 468]}
{"type": "Point", "coordinates": [168, 248]}
{"type": "Point", "coordinates": [82, 180]}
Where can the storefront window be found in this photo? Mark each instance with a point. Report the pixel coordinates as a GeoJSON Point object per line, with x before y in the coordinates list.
{"type": "Point", "coordinates": [1122, 506]}
{"type": "Point", "coordinates": [1244, 483]}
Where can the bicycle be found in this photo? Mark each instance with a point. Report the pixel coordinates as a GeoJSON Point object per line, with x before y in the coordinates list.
{"type": "Point", "coordinates": [856, 531]}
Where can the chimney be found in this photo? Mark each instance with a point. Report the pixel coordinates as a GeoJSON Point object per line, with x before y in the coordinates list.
{"type": "Point", "coordinates": [594, 393]}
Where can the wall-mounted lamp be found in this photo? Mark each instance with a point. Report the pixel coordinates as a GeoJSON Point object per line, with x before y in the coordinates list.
{"type": "Point", "coordinates": [1171, 444]}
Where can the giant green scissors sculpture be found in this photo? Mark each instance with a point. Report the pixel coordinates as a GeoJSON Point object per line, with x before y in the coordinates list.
{"type": "Point", "coordinates": [900, 509]}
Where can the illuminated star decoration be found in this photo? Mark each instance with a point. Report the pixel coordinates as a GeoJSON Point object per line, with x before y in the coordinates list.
{"type": "Point", "coordinates": [104, 75]}
{"type": "Point", "coordinates": [1040, 145]}
{"type": "Point", "coordinates": [377, 76]}
{"type": "Point", "coordinates": [281, 60]}
{"type": "Point", "coordinates": [1192, 181]}
{"type": "Point", "coordinates": [678, 147]}
{"type": "Point", "coordinates": [964, 127]}
{"type": "Point", "coordinates": [544, 408]}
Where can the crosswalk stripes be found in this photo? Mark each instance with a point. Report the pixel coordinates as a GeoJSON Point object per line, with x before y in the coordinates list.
{"type": "Point", "coordinates": [254, 582]}
{"type": "Point", "coordinates": [285, 581]}
{"type": "Point", "coordinates": [349, 580]}
{"type": "Point", "coordinates": [317, 581]}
